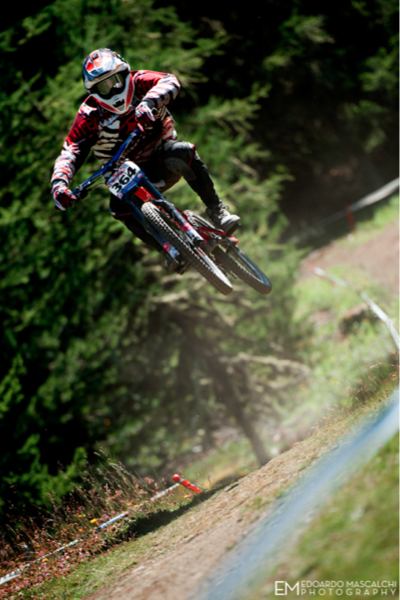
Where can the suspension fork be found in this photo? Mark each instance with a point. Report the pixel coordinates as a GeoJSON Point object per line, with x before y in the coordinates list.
{"type": "Point", "coordinates": [158, 200]}
{"type": "Point", "coordinates": [172, 252]}
{"type": "Point", "coordinates": [195, 238]}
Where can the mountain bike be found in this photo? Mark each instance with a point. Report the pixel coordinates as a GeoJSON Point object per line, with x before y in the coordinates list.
{"type": "Point", "coordinates": [185, 238]}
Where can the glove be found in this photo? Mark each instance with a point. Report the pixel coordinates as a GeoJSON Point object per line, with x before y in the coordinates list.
{"type": "Point", "coordinates": [63, 197]}
{"type": "Point", "coordinates": [146, 115]}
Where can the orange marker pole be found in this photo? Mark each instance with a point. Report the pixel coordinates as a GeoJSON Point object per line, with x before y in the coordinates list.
{"type": "Point", "coordinates": [186, 483]}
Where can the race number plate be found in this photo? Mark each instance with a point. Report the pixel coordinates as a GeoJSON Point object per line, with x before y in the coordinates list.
{"type": "Point", "coordinates": [122, 179]}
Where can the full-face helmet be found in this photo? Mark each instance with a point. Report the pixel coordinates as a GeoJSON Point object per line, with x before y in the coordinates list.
{"type": "Point", "coordinates": [106, 76]}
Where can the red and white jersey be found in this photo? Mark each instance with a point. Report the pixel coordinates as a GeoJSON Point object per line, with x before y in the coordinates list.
{"type": "Point", "coordinates": [97, 129]}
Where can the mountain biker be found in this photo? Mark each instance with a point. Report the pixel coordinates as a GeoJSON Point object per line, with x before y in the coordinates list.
{"type": "Point", "coordinates": [119, 101]}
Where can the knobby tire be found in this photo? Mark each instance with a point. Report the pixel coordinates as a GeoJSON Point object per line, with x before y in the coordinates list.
{"type": "Point", "coordinates": [237, 262]}
{"type": "Point", "coordinates": [195, 256]}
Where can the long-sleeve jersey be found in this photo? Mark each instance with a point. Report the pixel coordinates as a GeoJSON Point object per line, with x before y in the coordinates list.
{"type": "Point", "coordinates": [102, 131]}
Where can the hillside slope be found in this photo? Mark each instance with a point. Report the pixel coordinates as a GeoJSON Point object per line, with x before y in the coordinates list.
{"type": "Point", "coordinates": [173, 561]}
{"type": "Point", "coordinates": [184, 553]}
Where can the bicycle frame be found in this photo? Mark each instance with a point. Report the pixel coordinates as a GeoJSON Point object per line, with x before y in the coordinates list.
{"type": "Point", "coordinates": [134, 183]}
{"type": "Point", "coordinates": [213, 252]}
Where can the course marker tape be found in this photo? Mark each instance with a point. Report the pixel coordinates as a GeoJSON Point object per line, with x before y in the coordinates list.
{"type": "Point", "coordinates": [376, 196]}
{"type": "Point", "coordinates": [382, 316]}
{"type": "Point", "coordinates": [316, 229]}
{"type": "Point", "coordinates": [13, 574]}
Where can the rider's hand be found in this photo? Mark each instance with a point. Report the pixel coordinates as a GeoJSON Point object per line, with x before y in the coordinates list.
{"type": "Point", "coordinates": [63, 197]}
{"type": "Point", "coordinates": [146, 115]}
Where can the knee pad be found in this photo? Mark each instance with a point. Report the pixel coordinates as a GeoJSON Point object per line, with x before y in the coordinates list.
{"type": "Point", "coordinates": [179, 157]}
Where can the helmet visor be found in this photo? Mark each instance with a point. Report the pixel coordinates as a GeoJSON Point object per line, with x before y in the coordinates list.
{"type": "Point", "coordinates": [109, 87]}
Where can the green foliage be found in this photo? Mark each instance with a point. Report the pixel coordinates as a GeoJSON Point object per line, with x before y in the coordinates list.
{"type": "Point", "coordinates": [76, 300]}
{"type": "Point", "coordinates": [71, 285]}
{"type": "Point", "coordinates": [336, 94]}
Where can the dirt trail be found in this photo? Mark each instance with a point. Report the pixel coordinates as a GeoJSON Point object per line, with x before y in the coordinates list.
{"type": "Point", "coordinates": [188, 550]}
{"type": "Point", "coordinates": [378, 257]}
{"type": "Point", "coordinates": [185, 553]}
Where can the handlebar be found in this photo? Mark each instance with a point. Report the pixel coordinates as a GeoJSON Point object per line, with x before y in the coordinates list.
{"type": "Point", "coordinates": [108, 166]}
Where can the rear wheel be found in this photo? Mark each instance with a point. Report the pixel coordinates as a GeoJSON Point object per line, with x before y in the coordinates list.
{"type": "Point", "coordinates": [237, 262]}
{"type": "Point", "coordinates": [196, 257]}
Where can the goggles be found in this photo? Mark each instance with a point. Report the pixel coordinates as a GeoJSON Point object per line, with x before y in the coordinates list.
{"type": "Point", "coordinates": [113, 85]}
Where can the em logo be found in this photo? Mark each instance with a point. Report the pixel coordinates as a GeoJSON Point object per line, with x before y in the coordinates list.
{"type": "Point", "coordinates": [283, 587]}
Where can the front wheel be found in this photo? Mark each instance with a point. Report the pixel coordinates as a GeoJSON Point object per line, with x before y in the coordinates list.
{"type": "Point", "coordinates": [237, 262]}
{"type": "Point", "coordinates": [194, 255]}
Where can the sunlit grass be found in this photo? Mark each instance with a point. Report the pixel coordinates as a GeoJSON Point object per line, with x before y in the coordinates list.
{"type": "Point", "coordinates": [355, 536]}
{"type": "Point", "coordinates": [106, 491]}
{"type": "Point", "coordinates": [342, 351]}
{"type": "Point", "coordinates": [233, 459]}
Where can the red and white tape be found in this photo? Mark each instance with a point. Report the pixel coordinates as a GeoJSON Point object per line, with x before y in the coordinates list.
{"type": "Point", "coordinates": [176, 478]}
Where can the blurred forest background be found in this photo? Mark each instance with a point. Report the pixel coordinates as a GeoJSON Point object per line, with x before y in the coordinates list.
{"type": "Point", "coordinates": [293, 105]}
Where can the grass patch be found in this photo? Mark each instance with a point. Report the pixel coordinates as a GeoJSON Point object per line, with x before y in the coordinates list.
{"type": "Point", "coordinates": [105, 495]}
{"type": "Point", "coordinates": [355, 537]}
{"type": "Point", "coordinates": [230, 461]}
{"type": "Point", "coordinates": [341, 351]}
{"type": "Point", "coordinates": [90, 575]}
{"type": "Point", "coordinates": [113, 557]}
